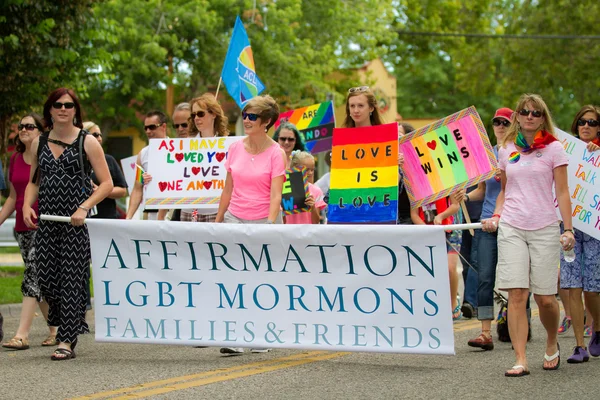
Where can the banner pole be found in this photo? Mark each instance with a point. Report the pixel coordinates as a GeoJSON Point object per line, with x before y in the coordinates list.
{"type": "Point", "coordinates": [218, 87]}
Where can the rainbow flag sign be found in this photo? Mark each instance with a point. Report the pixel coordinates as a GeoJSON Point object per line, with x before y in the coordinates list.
{"type": "Point", "coordinates": [139, 174]}
{"type": "Point", "coordinates": [316, 123]}
{"type": "Point", "coordinates": [450, 154]}
{"type": "Point", "coordinates": [364, 175]}
{"type": "Point", "coordinates": [239, 72]}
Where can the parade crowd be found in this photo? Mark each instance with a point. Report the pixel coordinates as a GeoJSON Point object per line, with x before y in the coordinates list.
{"type": "Point", "coordinates": [59, 168]}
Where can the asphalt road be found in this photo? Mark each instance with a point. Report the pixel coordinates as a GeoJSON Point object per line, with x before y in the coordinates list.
{"type": "Point", "coordinates": [104, 370]}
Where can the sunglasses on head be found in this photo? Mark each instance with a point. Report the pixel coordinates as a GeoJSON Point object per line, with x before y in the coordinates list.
{"type": "Point", "coordinates": [535, 113]}
{"type": "Point", "coordinates": [58, 105]}
{"type": "Point", "coordinates": [501, 121]}
{"type": "Point", "coordinates": [28, 127]}
{"type": "Point", "coordinates": [151, 127]}
{"type": "Point", "coordinates": [250, 116]}
{"type": "Point", "coordinates": [591, 122]}
{"type": "Point", "coordinates": [96, 135]}
{"type": "Point", "coordinates": [199, 114]}
{"type": "Point", "coordinates": [184, 125]}
{"type": "Point", "coordinates": [286, 139]}
{"type": "Point", "coordinates": [358, 89]}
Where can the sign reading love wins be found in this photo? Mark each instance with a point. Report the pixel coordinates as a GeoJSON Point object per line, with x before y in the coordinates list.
{"type": "Point", "coordinates": [450, 154]}
{"type": "Point", "coordinates": [187, 173]}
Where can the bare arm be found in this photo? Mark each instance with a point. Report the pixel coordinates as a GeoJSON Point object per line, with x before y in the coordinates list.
{"type": "Point", "coordinates": [477, 194]}
{"type": "Point", "coordinates": [135, 198]}
{"type": "Point", "coordinates": [491, 224]}
{"type": "Point", "coordinates": [117, 192]}
{"type": "Point", "coordinates": [414, 215]}
{"type": "Point", "coordinates": [276, 192]}
{"type": "Point", "coordinates": [9, 205]}
{"type": "Point", "coordinates": [562, 195]}
{"type": "Point", "coordinates": [225, 198]}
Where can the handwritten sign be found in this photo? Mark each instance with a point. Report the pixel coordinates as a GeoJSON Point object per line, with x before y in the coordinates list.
{"type": "Point", "coordinates": [452, 153]}
{"type": "Point", "coordinates": [295, 191]}
{"type": "Point", "coordinates": [316, 123]}
{"type": "Point", "coordinates": [584, 184]}
{"type": "Point", "coordinates": [187, 173]}
{"type": "Point", "coordinates": [364, 175]}
{"type": "Point", "coordinates": [128, 166]}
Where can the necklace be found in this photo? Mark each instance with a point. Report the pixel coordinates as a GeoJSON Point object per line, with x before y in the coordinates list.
{"type": "Point", "coordinates": [259, 150]}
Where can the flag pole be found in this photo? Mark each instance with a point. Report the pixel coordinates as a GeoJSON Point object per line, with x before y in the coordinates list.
{"type": "Point", "coordinates": [219, 86]}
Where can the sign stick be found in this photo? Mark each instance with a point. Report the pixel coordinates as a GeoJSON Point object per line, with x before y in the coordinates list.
{"type": "Point", "coordinates": [463, 206]}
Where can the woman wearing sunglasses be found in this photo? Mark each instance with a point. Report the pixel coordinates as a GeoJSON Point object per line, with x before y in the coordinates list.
{"type": "Point", "coordinates": [63, 186]}
{"type": "Point", "coordinates": [255, 175]}
{"type": "Point", "coordinates": [531, 161]}
{"type": "Point", "coordinates": [19, 168]}
{"type": "Point", "coordinates": [289, 139]}
{"type": "Point", "coordinates": [583, 274]}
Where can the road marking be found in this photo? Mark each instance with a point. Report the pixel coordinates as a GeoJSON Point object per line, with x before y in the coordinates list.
{"type": "Point", "coordinates": [205, 374]}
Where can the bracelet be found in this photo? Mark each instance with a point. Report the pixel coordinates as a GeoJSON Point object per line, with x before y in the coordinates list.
{"type": "Point", "coordinates": [496, 215]}
{"type": "Point", "coordinates": [569, 230]}
{"type": "Point", "coordinates": [84, 208]}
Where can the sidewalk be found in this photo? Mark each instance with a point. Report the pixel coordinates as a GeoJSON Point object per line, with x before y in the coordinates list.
{"type": "Point", "coordinates": [11, 260]}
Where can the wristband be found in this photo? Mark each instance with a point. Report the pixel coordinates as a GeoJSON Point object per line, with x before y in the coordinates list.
{"type": "Point", "coordinates": [84, 208]}
{"type": "Point", "coordinates": [496, 215]}
{"type": "Point", "coordinates": [569, 230]}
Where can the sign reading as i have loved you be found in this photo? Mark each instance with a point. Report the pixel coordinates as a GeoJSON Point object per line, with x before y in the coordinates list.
{"type": "Point", "coordinates": [187, 173]}
{"type": "Point", "coordinates": [450, 154]}
{"type": "Point", "coordinates": [364, 175]}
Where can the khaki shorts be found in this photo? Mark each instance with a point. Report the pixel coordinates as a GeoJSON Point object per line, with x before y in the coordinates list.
{"type": "Point", "coordinates": [528, 259]}
{"type": "Point", "coordinates": [229, 218]}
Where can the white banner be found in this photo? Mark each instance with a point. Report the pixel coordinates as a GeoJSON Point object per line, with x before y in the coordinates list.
{"type": "Point", "coordinates": [187, 173]}
{"type": "Point", "coordinates": [128, 165]}
{"type": "Point", "coordinates": [323, 287]}
{"type": "Point", "coordinates": [584, 184]}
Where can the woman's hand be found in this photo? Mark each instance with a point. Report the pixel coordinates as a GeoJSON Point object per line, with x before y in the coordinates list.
{"type": "Point", "coordinates": [29, 216]}
{"type": "Point", "coordinates": [567, 239]}
{"type": "Point", "coordinates": [219, 218]}
{"type": "Point", "coordinates": [310, 200]}
{"type": "Point", "coordinates": [459, 195]}
{"type": "Point", "coordinates": [400, 160]}
{"type": "Point", "coordinates": [78, 217]}
{"type": "Point", "coordinates": [437, 220]}
{"type": "Point", "coordinates": [591, 146]}
{"type": "Point", "coordinates": [147, 178]}
{"type": "Point", "coordinates": [490, 224]}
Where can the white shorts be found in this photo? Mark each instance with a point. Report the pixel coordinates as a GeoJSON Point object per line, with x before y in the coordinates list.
{"type": "Point", "coordinates": [528, 259]}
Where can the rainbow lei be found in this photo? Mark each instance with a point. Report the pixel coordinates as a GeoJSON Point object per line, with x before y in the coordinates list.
{"type": "Point", "coordinates": [540, 140]}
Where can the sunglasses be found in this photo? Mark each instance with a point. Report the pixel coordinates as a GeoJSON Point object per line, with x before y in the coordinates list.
{"type": "Point", "coordinates": [250, 116]}
{"type": "Point", "coordinates": [535, 113]}
{"type": "Point", "coordinates": [152, 127]}
{"type": "Point", "coordinates": [286, 139]}
{"type": "Point", "coordinates": [591, 122]}
{"type": "Point", "coordinates": [358, 89]}
{"type": "Point", "coordinates": [199, 114]}
{"type": "Point", "coordinates": [501, 121]}
{"type": "Point", "coordinates": [184, 125]}
{"type": "Point", "coordinates": [28, 127]}
{"type": "Point", "coordinates": [96, 135]}
{"type": "Point", "coordinates": [58, 105]}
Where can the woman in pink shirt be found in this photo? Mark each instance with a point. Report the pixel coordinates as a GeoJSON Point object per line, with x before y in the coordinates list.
{"type": "Point", "coordinates": [19, 170]}
{"type": "Point", "coordinates": [532, 161]}
{"type": "Point", "coordinates": [255, 175]}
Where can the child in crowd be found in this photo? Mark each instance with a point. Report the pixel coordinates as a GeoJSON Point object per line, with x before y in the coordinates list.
{"type": "Point", "coordinates": [303, 159]}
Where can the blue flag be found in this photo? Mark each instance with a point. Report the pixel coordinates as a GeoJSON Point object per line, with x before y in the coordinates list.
{"type": "Point", "coordinates": [239, 74]}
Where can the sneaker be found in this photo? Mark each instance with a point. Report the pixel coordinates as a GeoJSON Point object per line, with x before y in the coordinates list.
{"type": "Point", "coordinates": [587, 330]}
{"type": "Point", "coordinates": [232, 351]}
{"type": "Point", "coordinates": [483, 342]}
{"type": "Point", "coordinates": [565, 325]}
{"type": "Point", "coordinates": [260, 350]}
{"type": "Point", "coordinates": [468, 311]}
{"type": "Point", "coordinates": [580, 355]}
{"type": "Point", "coordinates": [594, 344]}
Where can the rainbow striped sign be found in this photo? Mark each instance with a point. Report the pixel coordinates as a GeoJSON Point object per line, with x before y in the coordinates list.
{"type": "Point", "coordinates": [364, 175]}
{"type": "Point", "coordinates": [316, 123]}
{"type": "Point", "coordinates": [450, 154]}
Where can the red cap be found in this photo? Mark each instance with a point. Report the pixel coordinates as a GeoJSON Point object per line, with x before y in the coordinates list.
{"type": "Point", "coordinates": [505, 113]}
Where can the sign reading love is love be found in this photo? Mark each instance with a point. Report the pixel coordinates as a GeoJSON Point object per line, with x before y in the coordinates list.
{"type": "Point", "coordinates": [315, 122]}
{"type": "Point", "coordinates": [450, 154]}
{"type": "Point", "coordinates": [187, 173]}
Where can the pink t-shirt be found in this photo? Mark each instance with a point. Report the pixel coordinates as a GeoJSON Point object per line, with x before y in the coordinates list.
{"type": "Point", "coordinates": [252, 175]}
{"type": "Point", "coordinates": [306, 217]}
{"type": "Point", "coordinates": [18, 175]}
{"type": "Point", "coordinates": [529, 201]}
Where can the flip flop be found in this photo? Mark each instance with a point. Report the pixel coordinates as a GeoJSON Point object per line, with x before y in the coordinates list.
{"type": "Point", "coordinates": [552, 358]}
{"type": "Point", "coordinates": [523, 372]}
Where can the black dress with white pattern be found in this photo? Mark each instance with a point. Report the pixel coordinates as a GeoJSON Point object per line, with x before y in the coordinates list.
{"type": "Point", "coordinates": [63, 250]}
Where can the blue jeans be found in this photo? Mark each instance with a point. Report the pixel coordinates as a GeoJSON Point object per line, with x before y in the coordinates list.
{"type": "Point", "coordinates": [468, 252]}
{"type": "Point", "coordinates": [487, 259]}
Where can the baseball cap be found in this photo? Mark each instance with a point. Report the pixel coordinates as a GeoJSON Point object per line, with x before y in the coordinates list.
{"type": "Point", "coordinates": [505, 113]}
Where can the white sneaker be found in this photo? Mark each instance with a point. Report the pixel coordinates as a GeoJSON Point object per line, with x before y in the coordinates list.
{"type": "Point", "coordinates": [260, 350]}
{"type": "Point", "coordinates": [232, 351]}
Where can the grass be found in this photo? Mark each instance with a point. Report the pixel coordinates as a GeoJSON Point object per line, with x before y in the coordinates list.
{"type": "Point", "coordinates": [9, 250]}
{"type": "Point", "coordinates": [10, 285]}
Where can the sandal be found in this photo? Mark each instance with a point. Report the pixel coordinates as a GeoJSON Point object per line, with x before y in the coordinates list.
{"type": "Point", "coordinates": [552, 358]}
{"type": "Point", "coordinates": [456, 314]}
{"type": "Point", "coordinates": [62, 354]}
{"type": "Point", "coordinates": [17, 344]}
{"type": "Point", "coordinates": [50, 341]}
{"type": "Point", "coordinates": [523, 372]}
